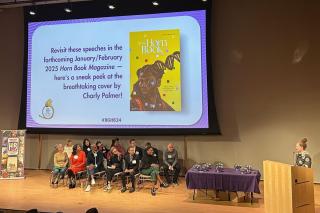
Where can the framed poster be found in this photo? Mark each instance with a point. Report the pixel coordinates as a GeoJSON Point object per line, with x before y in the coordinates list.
{"type": "Point", "coordinates": [12, 154]}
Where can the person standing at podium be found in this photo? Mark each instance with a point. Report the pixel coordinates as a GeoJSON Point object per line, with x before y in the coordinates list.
{"type": "Point", "coordinates": [302, 156]}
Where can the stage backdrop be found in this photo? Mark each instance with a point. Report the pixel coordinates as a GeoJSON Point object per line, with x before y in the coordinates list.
{"type": "Point", "coordinates": [12, 154]}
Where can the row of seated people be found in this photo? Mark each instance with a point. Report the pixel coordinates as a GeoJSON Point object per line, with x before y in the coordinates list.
{"type": "Point", "coordinates": [135, 160]}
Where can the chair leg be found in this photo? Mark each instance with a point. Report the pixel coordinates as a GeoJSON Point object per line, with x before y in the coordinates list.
{"type": "Point", "coordinates": [194, 193]}
{"type": "Point", "coordinates": [139, 185]}
{"type": "Point", "coordinates": [51, 179]}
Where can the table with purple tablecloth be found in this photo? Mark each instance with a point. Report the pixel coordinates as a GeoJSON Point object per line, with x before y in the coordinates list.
{"type": "Point", "coordinates": [229, 180]}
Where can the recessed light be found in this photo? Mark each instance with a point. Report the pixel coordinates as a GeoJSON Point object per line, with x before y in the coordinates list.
{"type": "Point", "coordinates": [111, 7]}
{"type": "Point", "coordinates": [32, 12]}
{"type": "Point", "coordinates": [155, 3]}
{"type": "Point", "coordinates": [67, 10]}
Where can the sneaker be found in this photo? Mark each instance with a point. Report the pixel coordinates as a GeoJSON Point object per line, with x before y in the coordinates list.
{"type": "Point", "coordinates": [72, 185]}
{"type": "Point", "coordinates": [164, 185]}
{"type": "Point", "coordinates": [153, 192]}
{"type": "Point", "coordinates": [124, 189]}
{"type": "Point", "coordinates": [88, 189]}
{"type": "Point", "coordinates": [107, 188]}
{"type": "Point", "coordinates": [56, 180]}
{"type": "Point", "coordinates": [132, 190]}
{"type": "Point", "coordinates": [93, 182]}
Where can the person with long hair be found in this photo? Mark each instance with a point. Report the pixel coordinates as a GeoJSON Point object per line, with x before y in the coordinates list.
{"type": "Point", "coordinates": [114, 166]}
{"type": "Point", "coordinates": [86, 146]}
{"type": "Point", "coordinates": [302, 156]}
{"type": "Point", "coordinates": [77, 164]}
{"type": "Point", "coordinates": [94, 165]}
{"type": "Point", "coordinates": [116, 143]}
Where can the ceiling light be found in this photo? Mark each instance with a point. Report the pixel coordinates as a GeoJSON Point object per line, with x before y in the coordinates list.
{"type": "Point", "coordinates": [111, 7]}
{"type": "Point", "coordinates": [32, 12]}
{"type": "Point", "coordinates": [33, 8]}
{"type": "Point", "coordinates": [155, 3]}
{"type": "Point", "coordinates": [68, 7]}
{"type": "Point", "coordinates": [67, 10]}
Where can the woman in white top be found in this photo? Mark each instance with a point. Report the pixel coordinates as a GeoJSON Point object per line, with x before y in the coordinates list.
{"type": "Point", "coordinates": [68, 147]}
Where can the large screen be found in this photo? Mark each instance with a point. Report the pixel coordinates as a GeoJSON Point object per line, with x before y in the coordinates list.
{"type": "Point", "coordinates": [133, 72]}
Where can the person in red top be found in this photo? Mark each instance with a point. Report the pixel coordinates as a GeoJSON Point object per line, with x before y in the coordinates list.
{"type": "Point", "coordinates": [77, 163]}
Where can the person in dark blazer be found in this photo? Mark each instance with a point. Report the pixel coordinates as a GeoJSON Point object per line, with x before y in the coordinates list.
{"type": "Point", "coordinates": [137, 150]}
{"type": "Point", "coordinates": [131, 168]}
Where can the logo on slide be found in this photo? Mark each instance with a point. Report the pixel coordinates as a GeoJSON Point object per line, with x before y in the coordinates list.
{"type": "Point", "coordinates": [47, 110]}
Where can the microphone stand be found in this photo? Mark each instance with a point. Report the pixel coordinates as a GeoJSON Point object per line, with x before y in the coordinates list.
{"type": "Point", "coordinates": [294, 155]}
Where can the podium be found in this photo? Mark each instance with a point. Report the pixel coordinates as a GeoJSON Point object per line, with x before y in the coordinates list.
{"type": "Point", "coordinates": [287, 188]}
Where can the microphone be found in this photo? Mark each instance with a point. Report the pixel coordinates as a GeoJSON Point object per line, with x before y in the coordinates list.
{"type": "Point", "coordinates": [294, 156]}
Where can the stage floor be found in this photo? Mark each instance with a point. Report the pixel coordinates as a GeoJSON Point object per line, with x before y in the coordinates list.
{"type": "Point", "coordinates": [35, 192]}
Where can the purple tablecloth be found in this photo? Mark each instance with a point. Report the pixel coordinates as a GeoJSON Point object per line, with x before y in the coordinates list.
{"type": "Point", "coordinates": [228, 180]}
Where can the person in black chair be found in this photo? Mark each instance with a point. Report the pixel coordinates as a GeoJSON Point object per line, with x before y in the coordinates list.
{"type": "Point", "coordinates": [131, 167]}
{"type": "Point", "coordinates": [114, 166]}
{"type": "Point", "coordinates": [155, 151]}
{"type": "Point", "coordinates": [150, 166]}
{"type": "Point", "coordinates": [170, 160]}
{"type": "Point", "coordinates": [102, 148]}
{"type": "Point", "coordinates": [137, 150]}
{"type": "Point", "coordinates": [94, 165]}
{"type": "Point", "coordinates": [86, 146]}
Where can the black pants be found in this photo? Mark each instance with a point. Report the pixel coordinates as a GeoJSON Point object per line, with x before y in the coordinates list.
{"type": "Point", "coordinates": [111, 173]}
{"type": "Point", "coordinates": [131, 176]}
{"type": "Point", "coordinates": [176, 170]}
{"type": "Point", "coordinates": [70, 174]}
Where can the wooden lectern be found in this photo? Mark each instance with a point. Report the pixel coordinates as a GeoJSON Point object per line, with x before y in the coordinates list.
{"type": "Point", "coordinates": [287, 188]}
